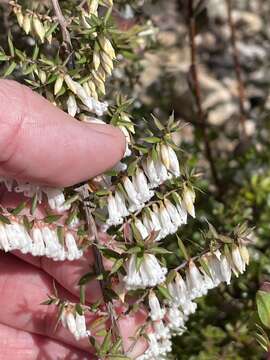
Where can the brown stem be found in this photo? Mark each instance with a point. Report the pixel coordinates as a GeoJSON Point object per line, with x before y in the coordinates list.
{"type": "Point", "coordinates": [237, 67]}
{"type": "Point", "coordinates": [93, 234]}
{"type": "Point", "coordinates": [197, 92]}
{"type": "Point", "coordinates": [65, 33]}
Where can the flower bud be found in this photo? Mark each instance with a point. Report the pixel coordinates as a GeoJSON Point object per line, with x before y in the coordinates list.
{"type": "Point", "coordinates": [39, 28]}
{"type": "Point", "coordinates": [58, 84]}
{"type": "Point", "coordinates": [19, 15]}
{"type": "Point", "coordinates": [42, 76]}
{"type": "Point", "coordinates": [27, 23]}
{"type": "Point", "coordinates": [72, 105]}
{"type": "Point", "coordinates": [165, 155]}
{"type": "Point", "coordinates": [107, 46]}
{"type": "Point", "coordinates": [96, 59]}
{"type": "Point", "coordinates": [70, 84]}
{"type": "Point", "coordinates": [188, 200]}
{"type": "Point", "coordinates": [93, 7]}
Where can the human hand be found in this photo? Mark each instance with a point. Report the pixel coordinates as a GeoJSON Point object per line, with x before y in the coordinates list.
{"type": "Point", "coordinates": [43, 145]}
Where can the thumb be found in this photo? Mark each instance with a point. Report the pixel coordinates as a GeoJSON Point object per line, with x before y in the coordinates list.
{"type": "Point", "coordinates": [42, 144]}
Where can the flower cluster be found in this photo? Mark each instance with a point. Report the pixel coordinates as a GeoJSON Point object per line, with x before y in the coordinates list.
{"type": "Point", "coordinates": [41, 240]}
{"type": "Point", "coordinates": [170, 319]}
{"type": "Point", "coordinates": [138, 189]}
{"type": "Point", "coordinates": [75, 323]}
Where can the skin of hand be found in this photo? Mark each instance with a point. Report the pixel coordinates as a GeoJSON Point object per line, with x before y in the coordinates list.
{"type": "Point", "coordinates": [41, 144]}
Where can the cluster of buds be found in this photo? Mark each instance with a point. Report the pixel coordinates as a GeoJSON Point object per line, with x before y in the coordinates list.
{"type": "Point", "coordinates": [138, 189]}
{"type": "Point", "coordinates": [74, 322]}
{"type": "Point", "coordinates": [40, 240]}
{"type": "Point", "coordinates": [32, 23]}
{"type": "Point", "coordinates": [170, 319]}
{"type": "Point", "coordinates": [82, 93]}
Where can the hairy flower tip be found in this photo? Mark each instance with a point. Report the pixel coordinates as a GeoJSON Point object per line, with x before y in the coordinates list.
{"type": "Point", "coordinates": [133, 198]}
{"type": "Point", "coordinates": [115, 216]}
{"type": "Point", "coordinates": [161, 331]}
{"type": "Point", "coordinates": [56, 199]}
{"type": "Point", "coordinates": [149, 274]}
{"type": "Point", "coordinates": [175, 320]}
{"type": "Point", "coordinates": [178, 291]}
{"type": "Point", "coordinates": [195, 282]}
{"type": "Point", "coordinates": [157, 348]}
{"type": "Point", "coordinates": [156, 312]}
{"type": "Point", "coordinates": [75, 323]}
{"type": "Point", "coordinates": [141, 185]}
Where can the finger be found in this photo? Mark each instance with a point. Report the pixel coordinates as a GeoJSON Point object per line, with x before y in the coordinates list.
{"type": "Point", "coordinates": [23, 289]}
{"type": "Point", "coordinates": [17, 345]}
{"type": "Point", "coordinates": [42, 144]}
{"type": "Point", "coordinates": [68, 273]}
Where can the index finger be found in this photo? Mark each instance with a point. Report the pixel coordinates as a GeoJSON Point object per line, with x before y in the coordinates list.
{"type": "Point", "coordinates": [42, 144]}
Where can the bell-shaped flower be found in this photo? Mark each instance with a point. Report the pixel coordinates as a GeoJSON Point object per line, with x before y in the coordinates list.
{"type": "Point", "coordinates": [115, 216]}
{"type": "Point", "coordinates": [188, 200]}
{"type": "Point", "coordinates": [156, 312]}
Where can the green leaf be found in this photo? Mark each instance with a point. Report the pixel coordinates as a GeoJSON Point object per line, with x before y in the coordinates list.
{"type": "Point", "coordinates": [160, 250]}
{"type": "Point", "coordinates": [19, 208]}
{"type": "Point", "coordinates": [117, 264]}
{"type": "Point", "coordinates": [164, 292]}
{"type": "Point", "coordinates": [152, 139]}
{"type": "Point", "coordinates": [158, 123]}
{"type": "Point", "coordinates": [51, 218]}
{"type": "Point", "coordinates": [4, 220]}
{"type": "Point", "coordinates": [4, 57]}
{"type": "Point", "coordinates": [87, 278]}
{"type": "Point", "coordinates": [105, 347]}
{"type": "Point", "coordinates": [79, 309]}
{"type": "Point", "coordinates": [263, 306]}
{"type": "Point", "coordinates": [182, 248]}
{"type": "Point", "coordinates": [10, 69]}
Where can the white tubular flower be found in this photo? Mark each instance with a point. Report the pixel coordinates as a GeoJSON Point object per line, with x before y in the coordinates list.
{"type": "Point", "coordinates": [38, 243]}
{"type": "Point", "coordinates": [72, 105]}
{"type": "Point", "coordinates": [188, 200]}
{"type": "Point", "coordinates": [149, 274]}
{"type": "Point", "coordinates": [142, 229]}
{"type": "Point", "coordinates": [174, 163]}
{"type": "Point", "coordinates": [56, 199]}
{"type": "Point", "coordinates": [155, 218]}
{"type": "Point", "coordinates": [225, 269]}
{"type": "Point", "coordinates": [151, 173]}
{"type": "Point", "coordinates": [161, 331]}
{"type": "Point", "coordinates": [244, 254]}
{"type": "Point", "coordinates": [115, 217]}
{"type": "Point", "coordinates": [51, 242]}
{"type": "Point", "coordinates": [215, 270]}
{"type": "Point", "coordinates": [81, 326]}
{"type": "Point", "coordinates": [141, 185]}
{"type": "Point", "coordinates": [175, 320]}
{"type": "Point", "coordinates": [12, 235]}
{"type": "Point", "coordinates": [195, 284]}
{"type": "Point", "coordinates": [135, 204]}
{"type": "Point", "coordinates": [153, 345]}
{"type": "Point", "coordinates": [119, 167]}
{"type": "Point", "coordinates": [128, 140]}
{"type": "Point", "coordinates": [238, 262]}
{"type": "Point", "coordinates": [161, 171]}
{"type": "Point", "coordinates": [173, 212]}
{"type": "Point", "coordinates": [121, 203]}
{"type": "Point", "coordinates": [132, 279]}
{"type": "Point", "coordinates": [72, 249]}
{"type": "Point", "coordinates": [178, 291]}
{"type": "Point", "coordinates": [167, 226]}
{"type": "Point", "coordinates": [71, 324]}
{"type": "Point", "coordinates": [156, 312]}
{"type": "Point", "coordinates": [4, 243]}
{"type": "Point", "coordinates": [165, 156]}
